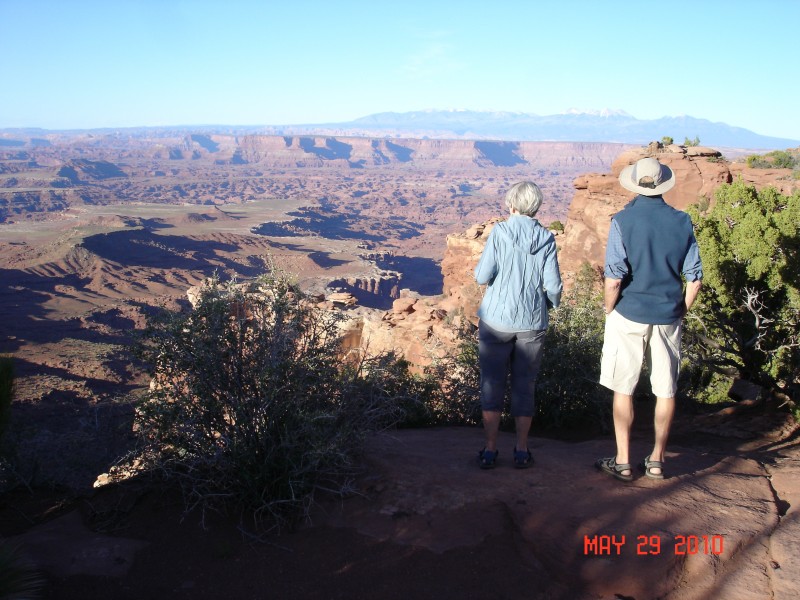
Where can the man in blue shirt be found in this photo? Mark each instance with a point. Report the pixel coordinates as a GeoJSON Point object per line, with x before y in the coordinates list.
{"type": "Point", "coordinates": [651, 249]}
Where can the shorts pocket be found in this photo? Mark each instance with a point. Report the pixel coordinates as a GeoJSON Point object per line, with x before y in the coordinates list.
{"type": "Point", "coordinates": [608, 363]}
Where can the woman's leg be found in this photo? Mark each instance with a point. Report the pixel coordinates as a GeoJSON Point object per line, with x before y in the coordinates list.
{"type": "Point", "coordinates": [526, 360]}
{"type": "Point", "coordinates": [494, 352]}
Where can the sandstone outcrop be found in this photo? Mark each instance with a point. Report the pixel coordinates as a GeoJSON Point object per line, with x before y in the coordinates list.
{"type": "Point", "coordinates": [461, 292]}
{"type": "Point", "coordinates": [699, 171]}
{"type": "Point", "coordinates": [424, 328]}
{"type": "Point", "coordinates": [411, 326]}
{"type": "Point", "coordinates": [384, 284]}
{"type": "Point", "coordinates": [781, 179]}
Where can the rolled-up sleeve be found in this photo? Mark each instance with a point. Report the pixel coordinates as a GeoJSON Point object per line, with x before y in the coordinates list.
{"type": "Point", "coordinates": [692, 267]}
{"type": "Point", "coordinates": [616, 266]}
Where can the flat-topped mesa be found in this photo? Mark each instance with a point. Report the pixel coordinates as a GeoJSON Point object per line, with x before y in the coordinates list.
{"type": "Point", "coordinates": [292, 151]}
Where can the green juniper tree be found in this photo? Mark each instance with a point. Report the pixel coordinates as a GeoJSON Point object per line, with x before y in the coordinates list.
{"type": "Point", "coordinates": [747, 319]}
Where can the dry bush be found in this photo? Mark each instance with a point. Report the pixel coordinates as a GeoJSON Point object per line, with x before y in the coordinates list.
{"type": "Point", "coordinates": [251, 407]}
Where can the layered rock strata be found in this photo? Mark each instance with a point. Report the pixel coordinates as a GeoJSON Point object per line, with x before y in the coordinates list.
{"type": "Point", "coordinates": [423, 328]}
{"type": "Point", "coordinates": [416, 325]}
{"type": "Point", "coordinates": [699, 172]}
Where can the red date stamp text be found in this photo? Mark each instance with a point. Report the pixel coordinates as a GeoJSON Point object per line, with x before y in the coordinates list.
{"type": "Point", "coordinates": [653, 545]}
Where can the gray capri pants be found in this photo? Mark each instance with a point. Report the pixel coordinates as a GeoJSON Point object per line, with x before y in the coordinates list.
{"type": "Point", "coordinates": [499, 350]}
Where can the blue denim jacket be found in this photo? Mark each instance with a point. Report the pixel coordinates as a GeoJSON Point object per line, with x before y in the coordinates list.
{"type": "Point", "coordinates": [520, 266]}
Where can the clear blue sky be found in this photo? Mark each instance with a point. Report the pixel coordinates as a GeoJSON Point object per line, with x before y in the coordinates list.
{"type": "Point", "coordinates": [121, 63]}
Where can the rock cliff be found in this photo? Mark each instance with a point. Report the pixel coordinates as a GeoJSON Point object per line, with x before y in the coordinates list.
{"type": "Point", "coordinates": [599, 196]}
{"type": "Point", "coordinates": [424, 328]}
{"type": "Point", "coordinates": [353, 152]}
{"type": "Point", "coordinates": [418, 325]}
{"type": "Point", "coordinates": [698, 170]}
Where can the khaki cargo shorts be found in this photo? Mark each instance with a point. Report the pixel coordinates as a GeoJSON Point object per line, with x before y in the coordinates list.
{"type": "Point", "coordinates": [626, 345]}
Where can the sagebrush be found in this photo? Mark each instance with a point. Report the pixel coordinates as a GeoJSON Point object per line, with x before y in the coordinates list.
{"type": "Point", "coordinates": [253, 404]}
{"type": "Point", "coordinates": [6, 390]}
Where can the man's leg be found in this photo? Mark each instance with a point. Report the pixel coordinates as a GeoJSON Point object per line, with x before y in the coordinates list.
{"type": "Point", "coordinates": [664, 357]}
{"type": "Point", "coordinates": [624, 343]}
{"type": "Point", "coordinates": [623, 421]}
{"type": "Point", "coordinates": [665, 409]}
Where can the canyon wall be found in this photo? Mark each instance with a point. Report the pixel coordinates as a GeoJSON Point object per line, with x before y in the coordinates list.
{"type": "Point", "coordinates": [352, 152]}
{"type": "Point", "coordinates": [461, 180]}
{"type": "Point", "coordinates": [598, 196]}
{"type": "Point", "coordinates": [423, 326]}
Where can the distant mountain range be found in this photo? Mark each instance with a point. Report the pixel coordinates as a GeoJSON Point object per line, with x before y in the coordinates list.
{"type": "Point", "coordinates": [573, 126]}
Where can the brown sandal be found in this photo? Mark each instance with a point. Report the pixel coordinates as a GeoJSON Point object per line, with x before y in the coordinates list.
{"type": "Point", "coordinates": [648, 465]}
{"type": "Point", "coordinates": [610, 467]}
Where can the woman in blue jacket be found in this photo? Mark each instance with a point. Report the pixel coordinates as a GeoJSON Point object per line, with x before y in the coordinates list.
{"type": "Point", "coordinates": [520, 267]}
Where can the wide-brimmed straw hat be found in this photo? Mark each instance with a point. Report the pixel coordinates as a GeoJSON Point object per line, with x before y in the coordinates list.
{"type": "Point", "coordinates": [647, 177]}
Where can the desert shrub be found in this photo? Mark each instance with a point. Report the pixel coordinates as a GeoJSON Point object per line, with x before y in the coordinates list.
{"type": "Point", "coordinates": [780, 159]}
{"type": "Point", "coordinates": [252, 405]}
{"type": "Point", "coordinates": [453, 383]}
{"type": "Point", "coordinates": [667, 140]}
{"type": "Point", "coordinates": [388, 376]}
{"type": "Point", "coordinates": [18, 578]}
{"type": "Point", "coordinates": [694, 142]}
{"type": "Point", "coordinates": [568, 394]}
{"type": "Point", "coordinates": [6, 390]}
{"type": "Point", "coordinates": [758, 161]}
{"type": "Point", "coordinates": [697, 381]}
{"type": "Point", "coordinates": [557, 226]}
{"type": "Point", "coordinates": [747, 317]}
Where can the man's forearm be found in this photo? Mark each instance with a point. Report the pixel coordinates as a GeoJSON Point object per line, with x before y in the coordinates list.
{"type": "Point", "coordinates": [611, 290]}
{"type": "Point", "coordinates": [692, 289]}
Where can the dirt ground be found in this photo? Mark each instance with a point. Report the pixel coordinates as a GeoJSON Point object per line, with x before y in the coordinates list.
{"type": "Point", "coordinates": [427, 523]}
{"type": "Point", "coordinates": [181, 559]}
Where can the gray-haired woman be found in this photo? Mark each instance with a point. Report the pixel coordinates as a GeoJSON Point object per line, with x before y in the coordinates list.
{"type": "Point", "coordinates": [520, 266]}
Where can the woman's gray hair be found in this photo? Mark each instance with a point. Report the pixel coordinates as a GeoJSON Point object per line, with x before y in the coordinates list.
{"type": "Point", "coordinates": [525, 197]}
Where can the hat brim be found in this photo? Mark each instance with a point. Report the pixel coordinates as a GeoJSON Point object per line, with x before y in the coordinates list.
{"type": "Point", "coordinates": [665, 186]}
